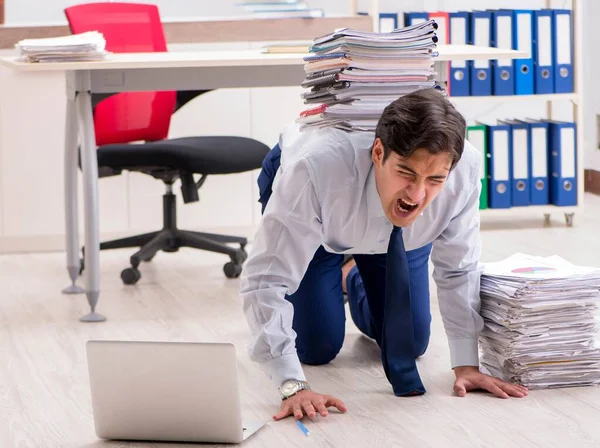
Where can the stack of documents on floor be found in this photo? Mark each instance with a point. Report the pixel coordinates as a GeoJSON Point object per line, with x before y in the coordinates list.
{"type": "Point", "coordinates": [90, 46]}
{"type": "Point", "coordinates": [540, 318]}
{"type": "Point", "coordinates": [353, 75]}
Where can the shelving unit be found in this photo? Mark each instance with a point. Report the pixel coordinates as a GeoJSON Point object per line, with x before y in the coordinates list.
{"type": "Point", "coordinates": [576, 98]}
{"type": "Point", "coordinates": [459, 100]}
{"type": "Point", "coordinates": [469, 52]}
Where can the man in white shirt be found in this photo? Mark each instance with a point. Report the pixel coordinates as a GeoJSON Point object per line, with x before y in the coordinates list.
{"type": "Point", "coordinates": [328, 192]}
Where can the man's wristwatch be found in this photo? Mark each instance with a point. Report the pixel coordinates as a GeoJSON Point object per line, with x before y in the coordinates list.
{"type": "Point", "coordinates": [291, 387]}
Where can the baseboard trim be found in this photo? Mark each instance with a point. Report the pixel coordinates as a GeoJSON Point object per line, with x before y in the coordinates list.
{"type": "Point", "coordinates": [592, 182]}
{"type": "Point", "coordinates": [56, 243]}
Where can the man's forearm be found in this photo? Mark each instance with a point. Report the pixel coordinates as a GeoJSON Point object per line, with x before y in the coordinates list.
{"type": "Point", "coordinates": [464, 352]}
{"type": "Point", "coordinates": [284, 368]}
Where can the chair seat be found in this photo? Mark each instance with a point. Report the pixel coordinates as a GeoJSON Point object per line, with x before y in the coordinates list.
{"type": "Point", "coordinates": [202, 155]}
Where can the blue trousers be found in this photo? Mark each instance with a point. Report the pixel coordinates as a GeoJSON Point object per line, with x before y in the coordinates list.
{"type": "Point", "coordinates": [319, 312]}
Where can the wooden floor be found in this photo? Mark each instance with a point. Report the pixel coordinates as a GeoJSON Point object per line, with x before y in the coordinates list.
{"type": "Point", "coordinates": [44, 387]}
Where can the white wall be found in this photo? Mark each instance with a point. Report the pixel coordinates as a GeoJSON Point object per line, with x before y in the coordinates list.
{"type": "Point", "coordinates": [51, 11]}
{"type": "Point", "coordinates": [592, 89]}
{"type": "Point", "coordinates": [32, 127]}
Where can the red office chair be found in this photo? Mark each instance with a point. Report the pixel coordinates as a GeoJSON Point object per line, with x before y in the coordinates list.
{"type": "Point", "coordinates": [124, 118]}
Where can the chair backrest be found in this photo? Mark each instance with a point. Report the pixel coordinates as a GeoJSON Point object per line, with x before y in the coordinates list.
{"type": "Point", "coordinates": [127, 27]}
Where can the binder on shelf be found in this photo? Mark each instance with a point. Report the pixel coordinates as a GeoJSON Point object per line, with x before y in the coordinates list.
{"type": "Point", "coordinates": [412, 18]}
{"type": "Point", "coordinates": [519, 152]}
{"type": "Point", "coordinates": [538, 161]}
{"type": "Point", "coordinates": [503, 77]}
{"type": "Point", "coordinates": [481, 35]}
{"type": "Point", "coordinates": [499, 161]}
{"type": "Point", "coordinates": [563, 162]}
{"type": "Point", "coordinates": [388, 22]}
{"type": "Point", "coordinates": [443, 21]}
{"type": "Point", "coordinates": [563, 51]}
{"type": "Point", "coordinates": [543, 51]}
{"type": "Point", "coordinates": [477, 136]}
{"type": "Point", "coordinates": [523, 36]}
{"type": "Point", "coordinates": [459, 79]}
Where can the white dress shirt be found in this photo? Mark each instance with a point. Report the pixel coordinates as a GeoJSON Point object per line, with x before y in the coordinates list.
{"type": "Point", "coordinates": [325, 194]}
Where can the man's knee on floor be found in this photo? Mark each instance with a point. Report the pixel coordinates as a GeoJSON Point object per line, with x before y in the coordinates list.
{"type": "Point", "coordinates": [319, 354]}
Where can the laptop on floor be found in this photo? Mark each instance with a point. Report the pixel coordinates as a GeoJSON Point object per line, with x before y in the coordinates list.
{"type": "Point", "coordinates": [166, 391]}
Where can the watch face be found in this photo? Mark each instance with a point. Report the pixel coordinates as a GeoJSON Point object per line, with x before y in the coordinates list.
{"type": "Point", "coordinates": [289, 387]}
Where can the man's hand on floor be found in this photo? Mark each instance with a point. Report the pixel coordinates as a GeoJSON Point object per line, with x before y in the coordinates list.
{"type": "Point", "coordinates": [308, 403]}
{"type": "Point", "coordinates": [470, 378]}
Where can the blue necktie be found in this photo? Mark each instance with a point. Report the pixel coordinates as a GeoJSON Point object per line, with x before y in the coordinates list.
{"type": "Point", "coordinates": [397, 342]}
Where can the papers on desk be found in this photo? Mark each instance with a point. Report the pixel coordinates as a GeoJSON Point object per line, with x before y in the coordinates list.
{"type": "Point", "coordinates": [90, 46]}
{"type": "Point", "coordinates": [540, 319]}
{"type": "Point", "coordinates": [353, 75]}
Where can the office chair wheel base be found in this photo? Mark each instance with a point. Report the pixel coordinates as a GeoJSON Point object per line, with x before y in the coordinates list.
{"type": "Point", "coordinates": [239, 257]}
{"type": "Point", "coordinates": [130, 276]}
{"type": "Point", "coordinates": [232, 270]}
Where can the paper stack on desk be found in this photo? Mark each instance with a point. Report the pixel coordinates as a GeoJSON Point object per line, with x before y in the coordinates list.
{"type": "Point", "coordinates": [353, 75]}
{"type": "Point", "coordinates": [540, 317]}
{"type": "Point", "coordinates": [88, 46]}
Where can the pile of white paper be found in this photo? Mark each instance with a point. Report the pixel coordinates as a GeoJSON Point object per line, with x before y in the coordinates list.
{"type": "Point", "coordinates": [540, 318]}
{"type": "Point", "coordinates": [353, 75]}
{"type": "Point", "coordinates": [90, 46]}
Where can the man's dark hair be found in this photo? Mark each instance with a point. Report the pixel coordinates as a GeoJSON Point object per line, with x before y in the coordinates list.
{"type": "Point", "coordinates": [422, 119]}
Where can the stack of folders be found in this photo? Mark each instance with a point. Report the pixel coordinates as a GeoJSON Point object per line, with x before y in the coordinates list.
{"type": "Point", "coordinates": [89, 46]}
{"type": "Point", "coordinates": [540, 322]}
{"type": "Point", "coordinates": [353, 75]}
{"type": "Point", "coordinates": [546, 35]}
{"type": "Point", "coordinates": [527, 162]}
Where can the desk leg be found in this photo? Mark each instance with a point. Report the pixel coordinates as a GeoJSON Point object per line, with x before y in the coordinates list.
{"type": "Point", "coordinates": [71, 224]}
{"type": "Point", "coordinates": [90, 191]}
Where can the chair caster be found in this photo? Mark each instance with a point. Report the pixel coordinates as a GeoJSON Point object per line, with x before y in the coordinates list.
{"type": "Point", "coordinates": [239, 257]}
{"type": "Point", "coordinates": [130, 276]}
{"type": "Point", "coordinates": [232, 270]}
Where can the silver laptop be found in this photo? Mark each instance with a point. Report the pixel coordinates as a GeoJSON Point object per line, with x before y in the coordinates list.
{"type": "Point", "coordinates": [166, 391]}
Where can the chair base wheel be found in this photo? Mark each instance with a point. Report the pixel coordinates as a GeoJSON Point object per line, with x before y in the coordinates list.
{"type": "Point", "coordinates": [130, 276]}
{"type": "Point", "coordinates": [232, 270]}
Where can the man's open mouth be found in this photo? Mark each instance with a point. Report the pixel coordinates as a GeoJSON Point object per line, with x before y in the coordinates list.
{"type": "Point", "coordinates": [405, 206]}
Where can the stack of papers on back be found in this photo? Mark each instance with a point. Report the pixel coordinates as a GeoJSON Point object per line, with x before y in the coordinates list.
{"type": "Point", "coordinates": [540, 318]}
{"type": "Point", "coordinates": [353, 75]}
{"type": "Point", "coordinates": [88, 46]}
